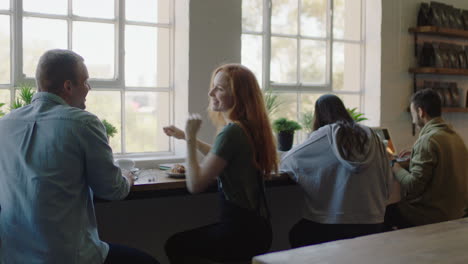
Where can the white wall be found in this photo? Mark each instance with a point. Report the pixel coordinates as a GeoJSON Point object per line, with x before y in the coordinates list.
{"type": "Point", "coordinates": [397, 58]}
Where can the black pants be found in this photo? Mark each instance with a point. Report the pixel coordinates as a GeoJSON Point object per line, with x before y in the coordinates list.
{"type": "Point", "coordinates": [125, 255]}
{"type": "Point", "coordinates": [394, 219]}
{"type": "Point", "coordinates": [306, 232]}
{"type": "Point", "coordinates": [239, 235]}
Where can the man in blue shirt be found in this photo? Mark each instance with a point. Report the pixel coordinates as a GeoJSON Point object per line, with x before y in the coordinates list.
{"type": "Point", "coordinates": [54, 157]}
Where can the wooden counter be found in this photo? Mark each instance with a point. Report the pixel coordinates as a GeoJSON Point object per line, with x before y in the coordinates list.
{"type": "Point", "coordinates": [156, 183]}
{"type": "Point", "coordinates": [444, 242]}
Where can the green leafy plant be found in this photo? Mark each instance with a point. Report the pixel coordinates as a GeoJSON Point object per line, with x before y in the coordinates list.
{"type": "Point", "coordinates": [24, 97]}
{"type": "Point", "coordinates": [272, 101]}
{"type": "Point", "coordinates": [285, 125]}
{"type": "Point", "coordinates": [110, 129]}
{"type": "Point", "coordinates": [1, 112]}
{"type": "Point", "coordinates": [307, 121]}
{"type": "Point", "coordinates": [357, 116]}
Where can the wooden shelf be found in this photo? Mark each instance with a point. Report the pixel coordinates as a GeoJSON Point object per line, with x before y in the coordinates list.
{"type": "Point", "coordinates": [442, 71]}
{"type": "Point", "coordinates": [454, 109]}
{"type": "Point", "coordinates": [450, 110]}
{"type": "Point", "coordinates": [433, 30]}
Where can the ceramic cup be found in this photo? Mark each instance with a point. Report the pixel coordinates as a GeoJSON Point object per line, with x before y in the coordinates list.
{"type": "Point", "coordinates": [126, 164]}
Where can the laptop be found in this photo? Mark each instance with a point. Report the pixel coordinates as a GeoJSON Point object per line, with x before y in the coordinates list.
{"type": "Point", "coordinates": [384, 135]}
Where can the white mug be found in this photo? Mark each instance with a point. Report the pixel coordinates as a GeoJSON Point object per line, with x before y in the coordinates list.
{"type": "Point", "coordinates": [126, 164]}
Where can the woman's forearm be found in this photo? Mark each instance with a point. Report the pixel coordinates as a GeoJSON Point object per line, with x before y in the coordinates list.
{"type": "Point", "coordinates": [193, 170]}
{"type": "Point", "coordinates": [203, 147]}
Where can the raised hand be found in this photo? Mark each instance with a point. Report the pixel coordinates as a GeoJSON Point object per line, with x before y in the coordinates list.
{"type": "Point", "coordinates": [174, 131]}
{"type": "Point", "coordinates": [192, 126]}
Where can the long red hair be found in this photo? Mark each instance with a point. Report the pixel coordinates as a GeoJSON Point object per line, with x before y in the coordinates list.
{"type": "Point", "coordinates": [250, 114]}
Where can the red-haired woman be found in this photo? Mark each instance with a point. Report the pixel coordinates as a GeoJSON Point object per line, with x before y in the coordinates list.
{"type": "Point", "coordinates": [242, 156]}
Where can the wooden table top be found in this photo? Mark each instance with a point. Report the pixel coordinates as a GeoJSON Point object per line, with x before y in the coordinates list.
{"type": "Point", "coordinates": [152, 180]}
{"type": "Point", "coordinates": [445, 242]}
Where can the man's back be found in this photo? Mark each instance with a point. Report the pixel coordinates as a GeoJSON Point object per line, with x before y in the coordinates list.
{"type": "Point", "coordinates": [436, 190]}
{"type": "Point", "coordinates": [53, 157]}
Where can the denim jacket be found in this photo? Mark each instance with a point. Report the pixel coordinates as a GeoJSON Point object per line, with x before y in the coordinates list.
{"type": "Point", "coordinates": [53, 158]}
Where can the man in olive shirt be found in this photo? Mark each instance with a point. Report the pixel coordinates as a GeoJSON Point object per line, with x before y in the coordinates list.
{"type": "Point", "coordinates": [435, 187]}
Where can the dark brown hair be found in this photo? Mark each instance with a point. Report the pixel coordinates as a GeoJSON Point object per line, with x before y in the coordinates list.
{"type": "Point", "coordinates": [429, 101]}
{"type": "Point", "coordinates": [329, 109]}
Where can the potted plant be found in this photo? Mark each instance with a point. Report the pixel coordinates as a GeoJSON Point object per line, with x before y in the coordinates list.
{"type": "Point", "coordinates": [285, 132]}
{"type": "Point", "coordinates": [358, 117]}
{"type": "Point", "coordinates": [25, 96]}
{"type": "Point", "coordinates": [1, 112]}
{"type": "Point", "coordinates": [111, 130]}
{"type": "Point", "coordinates": [307, 122]}
{"type": "Point", "coordinates": [272, 101]}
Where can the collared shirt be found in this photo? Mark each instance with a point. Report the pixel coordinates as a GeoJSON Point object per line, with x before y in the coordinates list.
{"type": "Point", "coordinates": [53, 157]}
{"type": "Point", "coordinates": [436, 187]}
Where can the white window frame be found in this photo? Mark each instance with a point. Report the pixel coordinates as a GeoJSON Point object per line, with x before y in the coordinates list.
{"type": "Point", "coordinates": [299, 87]}
{"type": "Point", "coordinates": [117, 82]}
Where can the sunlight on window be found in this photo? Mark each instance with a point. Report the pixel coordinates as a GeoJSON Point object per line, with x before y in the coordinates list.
{"type": "Point", "coordinates": [288, 107]}
{"type": "Point", "coordinates": [313, 61]}
{"type": "Point", "coordinates": [98, 55]}
{"type": "Point", "coordinates": [252, 56]}
{"type": "Point", "coordinates": [347, 19]}
{"type": "Point", "coordinates": [155, 11]}
{"type": "Point", "coordinates": [314, 18]}
{"type": "Point", "coordinates": [93, 8]}
{"type": "Point", "coordinates": [4, 4]}
{"type": "Point", "coordinates": [284, 17]}
{"type": "Point", "coordinates": [36, 40]}
{"type": "Point", "coordinates": [5, 49]}
{"type": "Point", "coordinates": [5, 99]}
{"type": "Point", "coordinates": [283, 60]}
{"type": "Point", "coordinates": [106, 105]}
{"type": "Point", "coordinates": [252, 15]}
{"type": "Point", "coordinates": [146, 113]}
{"type": "Point", "coordinates": [143, 47]}
{"type": "Point", "coordinates": [56, 7]}
{"type": "Point", "coordinates": [346, 66]}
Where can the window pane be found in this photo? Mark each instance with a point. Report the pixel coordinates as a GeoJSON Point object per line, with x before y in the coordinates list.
{"type": "Point", "coordinates": [156, 11]}
{"type": "Point", "coordinates": [5, 99]}
{"type": "Point", "coordinates": [284, 17]}
{"type": "Point", "coordinates": [347, 19]}
{"type": "Point", "coordinates": [58, 7]}
{"type": "Point", "coordinates": [288, 106]}
{"type": "Point", "coordinates": [308, 101]}
{"type": "Point", "coordinates": [36, 40]}
{"type": "Point", "coordinates": [252, 54]}
{"type": "Point", "coordinates": [107, 105]}
{"type": "Point", "coordinates": [93, 8]}
{"type": "Point", "coordinates": [252, 15]}
{"type": "Point", "coordinates": [346, 66]}
{"type": "Point", "coordinates": [146, 114]}
{"type": "Point", "coordinates": [283, 60]}
{"type": "Point", "coordinates": [98, 55]}
{"type": "Point", "coordinates": [351, 100]}
{"type": "Point", "coordinates": [147, 57]}
{"type": "Point", "coordinates": [307, 106]}
{"type": "Point", "coordinates": [4, 4]}
{"type": "Point", "coordinates": [314, 18]}
{"type": "Point", "coordinates": [313, 61]}
{"type": "Point", "coordinates": [5, 49]}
